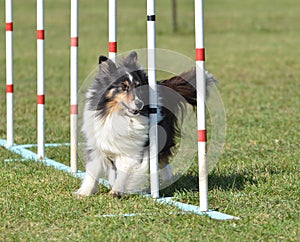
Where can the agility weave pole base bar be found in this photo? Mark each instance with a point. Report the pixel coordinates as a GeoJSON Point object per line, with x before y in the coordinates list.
{"type": "Point", "coordinates": [27, 154]}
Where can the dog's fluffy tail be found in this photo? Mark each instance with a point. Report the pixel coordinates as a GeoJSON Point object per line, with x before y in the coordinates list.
{"type": "Point", "coordinates": [185, 85]}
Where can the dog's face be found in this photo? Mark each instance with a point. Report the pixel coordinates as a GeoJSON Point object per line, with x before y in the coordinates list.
{"type": "Point", "coordinates": [126, 86]}
{"type": "Point", "coordinates": [123, 95]}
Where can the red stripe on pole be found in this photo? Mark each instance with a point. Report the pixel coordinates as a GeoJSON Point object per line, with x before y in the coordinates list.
{"type": "Point", "coordinates": [112, 47]}
{"type": "Point", "coordinates": [74, 41]}
{"type": "Point", "coordinates": [202, 135]}
{"type": "Point", "coordinates": [200, 54]}
{"type": "Point", "coordinates": [9, 88]}
{"type": "Point", "coordinates": [41, 99]}
{"type": "Point", "coordinates": [74, 109]}
{"type": "Point", "coordinates": [40, 34]}
{"type": "Point", "coordinates": [9, 26]}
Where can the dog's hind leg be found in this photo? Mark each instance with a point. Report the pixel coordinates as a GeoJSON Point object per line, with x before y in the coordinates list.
{"type": "Point", "coordinates": [165, 168]}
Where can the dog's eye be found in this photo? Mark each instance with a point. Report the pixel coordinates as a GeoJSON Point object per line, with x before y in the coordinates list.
{"type": "Point", "coordinates": [125, 87]}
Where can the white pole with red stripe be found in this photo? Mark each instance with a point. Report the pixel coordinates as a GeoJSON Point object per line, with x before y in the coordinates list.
{"type": "Point", "coordinates": [74, 87]}
{"type": "Point", "coordinates": [112, 30]}
{"type": "Point", "coordinates": [201, 104]}
{"type": "Point", "coordinates": [151, 45]}
{"type": "Point", "coordinates": [9, 73]}
{"type": "Point", "coordinates": [40, 80]}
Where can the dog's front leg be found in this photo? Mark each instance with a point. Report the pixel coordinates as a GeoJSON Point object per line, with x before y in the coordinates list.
{"type": "Point", "coordinates": [94, 168]}
{"type": "Point", "coordinates": [124, 166]}
{"type": "Point", "coordinates": [112, 174]}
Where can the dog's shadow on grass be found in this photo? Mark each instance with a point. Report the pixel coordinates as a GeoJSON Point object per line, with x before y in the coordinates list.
{"type": "Point", "coordinates": [190, 182]}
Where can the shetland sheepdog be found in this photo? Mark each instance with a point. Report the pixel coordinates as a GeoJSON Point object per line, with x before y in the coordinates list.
{"type": "Point", "coordinates": [116, 124]}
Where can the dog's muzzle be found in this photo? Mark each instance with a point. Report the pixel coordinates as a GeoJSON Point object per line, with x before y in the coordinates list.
{"type": "Point", "coordinates": [139, 104]}
{"type": "Point", "coordinates": [136, 106]}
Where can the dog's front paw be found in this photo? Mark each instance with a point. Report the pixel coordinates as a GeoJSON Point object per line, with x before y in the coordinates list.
{"type": "Point", "coordinates": [116, 194]}
{"type": "Point", "coordinates": [85, 192]}
{"type": "Point", "coordinates": [78, 195]}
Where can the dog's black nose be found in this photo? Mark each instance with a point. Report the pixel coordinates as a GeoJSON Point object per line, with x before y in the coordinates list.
{"type": "Point", "coordinates": [139, 103]}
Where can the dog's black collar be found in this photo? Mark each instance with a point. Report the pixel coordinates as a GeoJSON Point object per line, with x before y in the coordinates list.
{"type": "Point", "coordinates": [152, 110]}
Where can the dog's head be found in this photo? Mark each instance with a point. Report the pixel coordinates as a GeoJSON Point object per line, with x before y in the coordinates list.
{"type": "Point", "coordinates": [124, 84]}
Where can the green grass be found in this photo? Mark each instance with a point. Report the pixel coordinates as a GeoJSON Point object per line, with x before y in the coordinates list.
{"type": "Point", "coordinates": [252, 47]}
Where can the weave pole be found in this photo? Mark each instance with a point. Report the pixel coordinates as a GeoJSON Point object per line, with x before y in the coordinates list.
{"type": "Point", "coordinates": [151, 45]}
{"type": "Point", "coordinates": [74, 87]}
{"type": "Point", "coordinates": [9, 73]}
{"type": "Point", "coordinates": [112, 30]}
{"type": "Point", "coordinates": [201, 104]}
{"type": "Point", "coordinates": [40, 80]}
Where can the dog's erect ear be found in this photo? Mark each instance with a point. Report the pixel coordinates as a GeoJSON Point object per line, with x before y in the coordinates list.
{"type": "Point", "coordinates": [102, 58]}
{"type": "Point", "coordinates": [131, 59]}
{"type": "Point", "coordinates": [106, 66]}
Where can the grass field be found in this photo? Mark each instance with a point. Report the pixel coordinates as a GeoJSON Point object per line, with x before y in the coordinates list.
{"type": "Point", "coordinates": [252, 47]}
